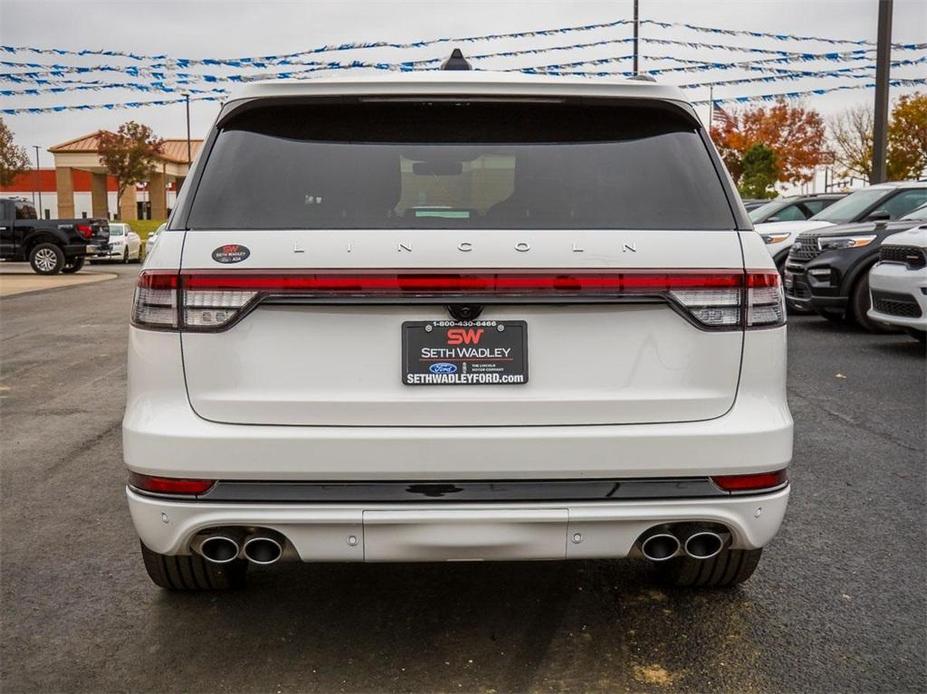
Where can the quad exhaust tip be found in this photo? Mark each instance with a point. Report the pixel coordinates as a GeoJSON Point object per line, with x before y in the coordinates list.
{"type": "Point", "coordinates": [665, 542]}
{"type": "Point", "coordinates": [224, 545]}
{"type": "Point", "coordinates": [218, 549]}
{"type": "Point", "coordinates": [704, 545]}
{"type": "Point", "coordinates": [660, 546]}
{"type": "Point", "coordinates": [262, 549]}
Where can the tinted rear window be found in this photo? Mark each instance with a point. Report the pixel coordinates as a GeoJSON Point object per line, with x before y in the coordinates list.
{"type": "Point", "coordinates": [471, 165]}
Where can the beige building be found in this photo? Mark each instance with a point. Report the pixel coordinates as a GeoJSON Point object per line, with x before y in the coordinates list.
{"type": "Point", "coordinates": [82, 154]}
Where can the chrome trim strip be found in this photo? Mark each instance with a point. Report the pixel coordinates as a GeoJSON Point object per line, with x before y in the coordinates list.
{"type": "Point", "coordinates": [441, 491]}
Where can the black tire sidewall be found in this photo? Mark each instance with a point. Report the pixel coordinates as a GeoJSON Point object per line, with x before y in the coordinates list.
{"type": "Point", "coordinates": [727, 569]}
{"type": "Point", "coordinates": [75, 265]}
{"type": "Point", "coordinates": [860, 303]}
{"type": "Point", "coordinates": [192, 572]}
{"type": "Point", "coordinates": [919, 335]}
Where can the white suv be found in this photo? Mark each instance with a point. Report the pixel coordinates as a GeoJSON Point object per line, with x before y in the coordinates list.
{"type": "Point", "coordinates": [898, 282]}
{"type": "Point", "coordinates": [457, 316]}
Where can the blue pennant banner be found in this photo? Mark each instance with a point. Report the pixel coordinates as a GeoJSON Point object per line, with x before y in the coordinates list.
{"type": "Point", "coordinates": [350, 46]}
{"type": "Point", "coordinates": [808, 92]}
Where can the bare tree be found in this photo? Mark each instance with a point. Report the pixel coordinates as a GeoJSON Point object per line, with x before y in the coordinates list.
{"type": "Point", "coordinates": [851, 132]}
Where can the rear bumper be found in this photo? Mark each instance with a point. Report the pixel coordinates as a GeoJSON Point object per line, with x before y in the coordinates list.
{"type": "Point", "coordinates": [424, 532]}
{"type": "Point", "coordinates": [74, 250]}
{"type": "Point", "coordinates": [110, 253]}
{"type": "Point", "coordinates": [809, 294]}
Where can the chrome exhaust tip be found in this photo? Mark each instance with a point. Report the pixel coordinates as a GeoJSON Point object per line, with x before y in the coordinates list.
{"type": "Point", "coordinates": [660, 546]}
{"type": "Point", "coordinates": [262, 549]}
{"type": "Point", "coordinates": [704, 544]}
{"type": "Point", "coordinates": [218, 548]}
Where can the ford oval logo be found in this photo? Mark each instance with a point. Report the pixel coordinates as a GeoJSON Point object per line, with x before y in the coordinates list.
{"type": "Point", "coordinates": [442, 367]}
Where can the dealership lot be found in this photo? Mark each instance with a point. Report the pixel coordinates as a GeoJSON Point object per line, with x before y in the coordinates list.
{"type": "Point", "coordinates": [837, 603]}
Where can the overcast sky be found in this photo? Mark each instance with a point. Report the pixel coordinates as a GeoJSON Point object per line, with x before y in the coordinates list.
{"type": "Point", "coordinates": [225, 28]}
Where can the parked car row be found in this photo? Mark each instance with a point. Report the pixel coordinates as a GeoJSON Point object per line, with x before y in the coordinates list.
{"type": "Point", "coordinates": [886, 201]}
{"type": "Point", "coordinates": [65, 245]}
{"type": "Point", "coordinates": [861, 258]}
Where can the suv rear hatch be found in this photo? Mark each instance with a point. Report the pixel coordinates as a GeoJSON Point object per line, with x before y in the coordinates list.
{"type": "Point", "coordinates": [323, 237]}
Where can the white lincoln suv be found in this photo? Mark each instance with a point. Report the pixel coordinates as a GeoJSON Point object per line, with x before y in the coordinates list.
{"type": "Point", "coordinates": [457, 316]}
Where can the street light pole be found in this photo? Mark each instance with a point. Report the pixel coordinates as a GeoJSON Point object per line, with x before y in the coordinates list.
{"type": "Point", "coordinates": [880, 124]}
{"type": "Point", "coordinates": [189, 157]}
{"type": "Point", "coordinates": [636, 35]}
{"type": "Point", "coordinates": [38, 176]}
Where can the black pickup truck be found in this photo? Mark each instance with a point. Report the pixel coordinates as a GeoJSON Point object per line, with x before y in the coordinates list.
{"type": "Point", "coordinates": [50, 245]}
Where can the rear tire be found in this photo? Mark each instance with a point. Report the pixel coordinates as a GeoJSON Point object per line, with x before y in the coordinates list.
{"type": "Point", "coordinates": [724, 570]}
{"type": "Point", "coordinates": [46, 259]}
{"type": "Point", "coordinates": [833, 316]}
{"type": "Point", "coordinates": [860, 303]}
{"type": "Point", "coordinates": [192, 572]}
{"type": "Point", "coordinates": [919, 335]}
{"type": "Point", "coordinates": [74, 265]}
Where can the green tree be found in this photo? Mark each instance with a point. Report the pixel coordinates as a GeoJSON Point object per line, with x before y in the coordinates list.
{"type": "Point", "coordinates": [13, 158]}
{"type": "Point", "coordinates": [128, 154]}
{"type": "Point", "coordinates": [759, 172]}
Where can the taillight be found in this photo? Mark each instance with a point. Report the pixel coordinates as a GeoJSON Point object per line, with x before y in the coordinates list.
{"type": "Point", "coordinates": [765, 300]}
{"type": "Point", "coordinates": [209, 301]}
{"type": "Point", "coordinates": [213, 308]}
{"type": "Point", "coordinates": [753, 482]}
{"type": "Point", "coordinates": [155, 301]}
{"type": "Point", "coordinates": [169, 485]}
{"type": "Point", "coordinates": [85, 230]}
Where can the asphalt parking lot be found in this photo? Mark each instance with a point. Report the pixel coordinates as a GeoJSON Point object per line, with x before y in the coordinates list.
{"type": "Point", "coordinates": [837, 604]}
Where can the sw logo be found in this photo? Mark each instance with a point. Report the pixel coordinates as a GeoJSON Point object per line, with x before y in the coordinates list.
{"type": "Point", "coordinates": [231, 253]}
{"type": "Point", "coordinates": [464, 336]}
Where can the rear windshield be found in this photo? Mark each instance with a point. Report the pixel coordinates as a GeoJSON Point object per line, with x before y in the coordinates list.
{"type": "Point", "coordinates": [460, 165]}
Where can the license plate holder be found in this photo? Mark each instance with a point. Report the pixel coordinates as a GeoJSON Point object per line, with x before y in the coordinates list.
{"type": "Point", "coordinates": [461, 353]}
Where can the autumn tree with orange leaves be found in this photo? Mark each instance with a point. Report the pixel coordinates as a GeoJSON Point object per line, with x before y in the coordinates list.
{"type": "Point", "coordinates": [794, 134]}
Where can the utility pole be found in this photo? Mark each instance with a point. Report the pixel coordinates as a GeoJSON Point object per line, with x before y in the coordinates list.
{"type": "Point", "coordinates": [711, 107]}
{"type": "Point", "coordinates": [38, 176]}
{"type": "Point", "coordinates": [636, 35]}
{"type": "Point", "coordinates": [880, 124]}
{"type": "Point", "coordinates": [189, 157]}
